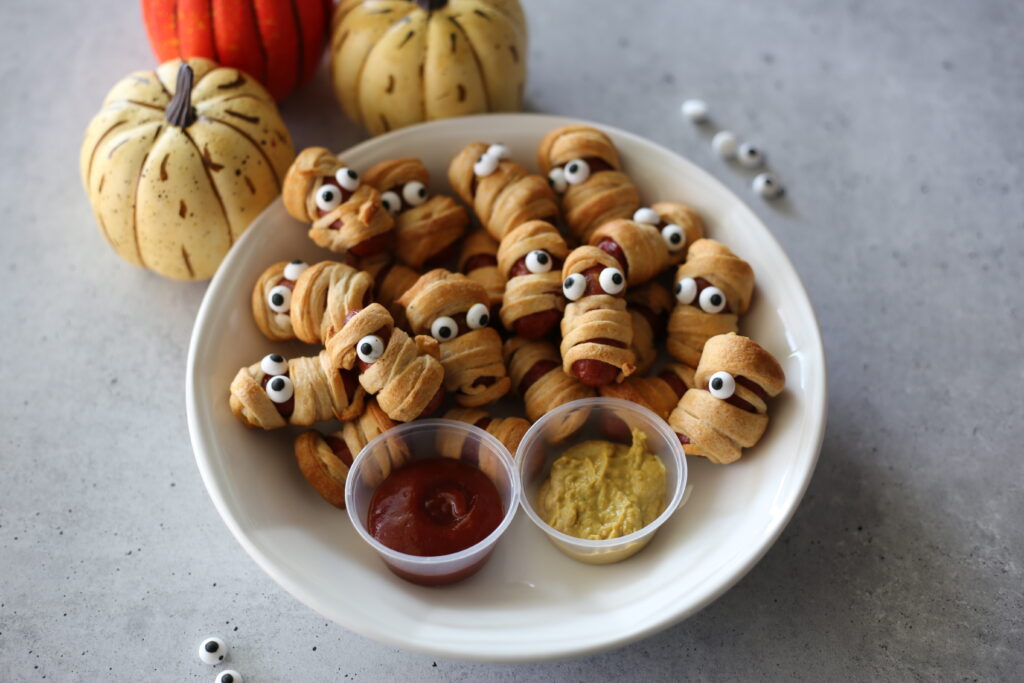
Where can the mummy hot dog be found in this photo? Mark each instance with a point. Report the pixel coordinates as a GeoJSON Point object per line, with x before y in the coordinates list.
{"type": "Point", "coordinates": [531, 258]}
{"type": "Point", "coordinates": [508, 430]}
{"type": "Point", "coordinates": [536, 371]}
{"type": "Point", "coordinates": [299, 391]}
{"type": "Point", "coordinates": [426, 227]}
{"type": "Point", "coordinates": [502, 193]}
{"type": "Point", "coordinates": [712, 289]}
{"type": "Point", "coordinates": [648, 307]}
{"type": "Point", "coordinates": [478, 261]}
{"type": "Point", "coordinates": [727, 410]}
{"type": "Point", "coordinates": [347, 215]}
{"type": "Point", "coordinates": [583, 167]}
{"type": "Point", "coordinates": [272, 299]}
{"type": "Point", "coordinates": [596, 329]}
{"type": "Point", "coordinates": [658, 393]}
{"type": "Point", "coordinates": [456, 312]}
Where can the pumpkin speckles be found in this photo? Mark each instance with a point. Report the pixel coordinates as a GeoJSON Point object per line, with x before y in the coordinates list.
{"type": "Point", "coordinates": [182, 209]}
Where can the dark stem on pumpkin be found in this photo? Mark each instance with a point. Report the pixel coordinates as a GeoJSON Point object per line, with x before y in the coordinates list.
{"type": "Point", "coordinates": [180, 111]}
{"type": "Point", "coordinates": [431, 5]}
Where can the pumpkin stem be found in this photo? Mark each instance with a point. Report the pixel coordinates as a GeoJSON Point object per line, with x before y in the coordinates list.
{"type": "Point", "coordinates": [431, 5]}
{"type": "Point", "coordinates": [180, 111]}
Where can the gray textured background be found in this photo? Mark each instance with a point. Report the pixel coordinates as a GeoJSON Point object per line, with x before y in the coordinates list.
{"type": "Point", "coordinates": [897, 126]}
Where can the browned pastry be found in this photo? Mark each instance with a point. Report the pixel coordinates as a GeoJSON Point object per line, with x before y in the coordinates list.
{"type": "Point", "coordinates": [712, 289]}
{"type": "Point", "coordinates": [727, 411]}
{"type": "Point", "coordinates": [347, 215]}
{"type": "Point", "coordinates": [391, 281]}
{"type": "Point", "coordinates": [648, 307]}
{"type": "Point", "coordinates": [658, 393]}
{"type": "Point", "coordinates": [531, 258]}
{"type": "Point", "coordinates": [508, 430]}
{"type": "Point", "coordinates": [502, 193]}
{"type": "Point", "coordinates": [455, 311]}
{"type": "Point", "coordinates": [479, 262]}
{"type": "Point", "coordinates": [537, 377]}
{"type": "Point", "coordinates": [640, 249]}
{"type": "Point", "coordinates": [325, 459]}
{"type": "Point", "coordinates": [426, 227]}
{"type": "Point", "coordinates": [680, 225]}
{"type": "Point", "coordinates": [583, 165]}
{"type": "Point", "coordinates": [272, 300]}
{"type": "Point", "coordinates": [404, 373]}
{"type": "Point", "coordinates": [596, 329]}
{"type": "Point", "coordinates": [299, 391]}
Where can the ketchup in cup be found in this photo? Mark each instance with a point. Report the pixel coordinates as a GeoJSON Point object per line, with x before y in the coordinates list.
{"type": "Point", "coordinates": [433, 520]}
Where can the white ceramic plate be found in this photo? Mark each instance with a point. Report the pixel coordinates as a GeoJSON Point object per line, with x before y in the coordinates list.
{"type": "Point", "coordinates": [530, 601]}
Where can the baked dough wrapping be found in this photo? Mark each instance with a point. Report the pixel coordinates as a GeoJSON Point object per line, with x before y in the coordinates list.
{"type": "Point", "coordinates": [648, 307]}
{"type": "Point", "coordinates": [405, 378]}
{"type": "Point", "coordinates": [391, 281]}
{"type": "Point", "coordinates": [686, 217]}
{"type": "Point", "coordinates": [274, 325]}
{"type": "Point", "coordinates": [426, 231]}
{"type": "Point", "coordinates": [596, 316]}
{"type": "Point", "coordinates": [720, 428]}
{"type": "Point", "coordinates": [508, 430]}
{"type": "Point", "coordinates": [549, 389]}
{"type": "Point", "coordinates": [478, 261]}
{"type": "Point", "coordinates": [689, 326]}
{"type": "Point", "coordinates": [505, 198]}
{"type": "Point", "coordinates": [319, 394]}
{"type": "Point", "coordinates": [324, 294]}
{"type": "Point", "coordinates": [654, 392]}
{"type": "Point", "coordinates": [644, 251]}
{"type": "Point", "coordinates": [532, 293]}
{"type": "Point", "coordinates": [471, 355]}
{"type": "Point", "coordinates": [606, 194]}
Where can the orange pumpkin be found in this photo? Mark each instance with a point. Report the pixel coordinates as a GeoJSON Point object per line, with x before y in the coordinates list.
{"type": "Point", "coordinates": [277, 42]}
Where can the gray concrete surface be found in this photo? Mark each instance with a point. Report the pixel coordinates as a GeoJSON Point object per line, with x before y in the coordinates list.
{"type": "Point", "coordinates": [898, 129]}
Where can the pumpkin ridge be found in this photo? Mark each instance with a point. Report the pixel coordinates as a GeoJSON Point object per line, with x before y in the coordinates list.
{"type": "Point", "coordinates": [213, 34]}
{"type": "Point", "coordinates": [249, 138]}
{"type": "Point", "coordinates": [135, 207]}
{"type": "Point", "coordinates": [92, 155]}
{"type": "Point", "coordinates": [357, 104]}
{"type": "Point", "coordinates": [300, 50]}
{"type": "Point", "coordinates": [476, 60]}
{"type": "Point", "coordinates": [213, 186]}
{"type": "Point", "coordinates": [264, 61]}
{"type": "Point", "coordinates": [137, 103]}
{"type": "Point", "coordinates": [188, 262]}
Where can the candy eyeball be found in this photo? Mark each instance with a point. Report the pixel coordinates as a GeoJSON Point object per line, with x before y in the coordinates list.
{"type": "Point", "coordinates": [577, 171]}
{"type": "Point", "coordinates": [557, 181]}
{"type": "Point", "coordinates": [391, 201]}
{"type": "Point", "coordinates": [767, 185]}
{"type": "Point", "coordinates": [612, 280]}
{"type": "Point", "coordinates": [722, 385]}
{"type": "Point", "coordinates": [279, 299]}
{"type": "Point", "coordinates": [497, 150]}
{"type": "Point", "coordinates": [370, 348]}
{"type": "Point", "coordinates": [574, 286]}
{"type": "Point", "coordinates": [293, 270]}
{"type": "Point", "coordinates": [749, 156]}
{"type": "Point", "coordinates": [212, 651]}
{"type": "Point", "coordinates": [414, 193]}
{"type": "Point", "coordinates": [712, 300]}
{"type": "Point", "coordinates": [478, 316]}
{"type": "Point", "coordinates": [274, 364]}
{"type": "Point", "coordinates": [674, 237]}
{"type": "Point", "coordinates": [228, 676]}
{"type": "Point", "coordinates": [725, 143]}
{"type": "Point", "coordinates": [348, 179]}
{"type": "Point", "coordinates": [328, 197]}
{"type": "Point", "coordinates": [280, 389]}
{"type": "Point", "coordinates": [695, 110]}
{"type": "Point", "coordinates": [646, 215]}
{"type": "Point", "coordinates": [539, 261]}
{"type": "Point", "coordinates": [485, 165]}
{"type": "Point", "coordinates": [444, 328]}
{"type": "Point", "coordinates": [686, 290]}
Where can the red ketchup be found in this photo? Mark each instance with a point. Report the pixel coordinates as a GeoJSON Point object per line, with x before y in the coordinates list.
{"type": "Point", "coordinates": [431, 507]}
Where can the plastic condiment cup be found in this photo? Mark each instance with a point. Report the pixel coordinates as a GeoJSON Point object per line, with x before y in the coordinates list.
{"type": "Point", "coordinates": [420, 440]}
{"type": "Point", "coordinates": [546, 441]}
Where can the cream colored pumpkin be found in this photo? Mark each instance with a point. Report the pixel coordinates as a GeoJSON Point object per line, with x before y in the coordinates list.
{"type": "Point", "coordinates": [174, 184]}
{"type": "Point", "coordinates": [399, 62]}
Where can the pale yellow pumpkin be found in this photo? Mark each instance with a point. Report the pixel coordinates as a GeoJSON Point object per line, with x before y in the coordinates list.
{"type": "Point", "coordinates": [174, 181]}
{"type": "Point", "coordinates": [399, 62]}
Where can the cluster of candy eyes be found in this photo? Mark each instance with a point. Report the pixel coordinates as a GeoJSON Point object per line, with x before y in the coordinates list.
{"type": "Point", "coordinates": [328, 197]}
{"type": "Point", "coordinates": [722, 385]}
{"type": "Point", "coordinates": [611, 280]}
{"type": "Point", "coordinates": [280, 388]}
{"type": "Point", "coordinates": [279, 298]}
{"type": "Point", "coordinates": [573, 173]}
{"type": "Point", "coordinates": [445, 328]}
{"type": "Point", "coordinates": [539, 261]}
{"type": "Point", "coordinates": [675, 238]}
{"type": "Point", "coordinates": [487, 163]}
{"type": "Point", "coordinates": [414, 193]}
{"type": "Point", "coordinates": [710, 299]}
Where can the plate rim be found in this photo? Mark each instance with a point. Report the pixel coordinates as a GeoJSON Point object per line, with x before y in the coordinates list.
{"type": "Point", "coordinates": [817, 405]}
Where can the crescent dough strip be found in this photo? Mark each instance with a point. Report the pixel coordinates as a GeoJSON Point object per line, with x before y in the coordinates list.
{"type": "Point", "coordinates": [715, 428]}
{"type": "Point", "coordinates": [504, 199]}
{"type": "Point", "coordinates": [319, 394]}
{"type": "Point", "coordinates": [605, 195]}
{"type": "Point", "coordinates": [508, 430]}
{"type": "Point", "coordinates": [324, 294]}
{"type": "Point", "coordinates": [391, 280]}
{"type": "Point", "coordinates": [642, 245]}
{"type": "Point", "coordinates": [326, 469]}
{"type": "Point", "coordinates": [422, 232]}
{"type": "Point", "coordinates": [531, 293]}
{"type": "Point", "coordinates": [551, 389]}
{"type": "Point", "coordinates": [480, 243]}
{"type": "Point", "coordinates": [597, 316]}
{"type": "Point", "coordinates": [687, 218]}
{"type": "Point", "coordinates": [654, 392]}
{"type": "Point", "coordinates": [644, 303]}
{"type": "Point", "coordinates": [273, 325]}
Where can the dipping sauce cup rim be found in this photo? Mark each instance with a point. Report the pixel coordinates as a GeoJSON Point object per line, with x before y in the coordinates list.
{"type": "Point", "coordinates": [675, 453]}
{"type": "Point", "coordinates": [435, 425]}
